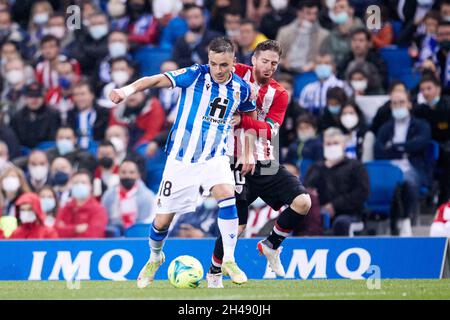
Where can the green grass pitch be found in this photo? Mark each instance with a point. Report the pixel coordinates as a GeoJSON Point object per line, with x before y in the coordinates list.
{"type": "Point", "coordinates": [253, 290]}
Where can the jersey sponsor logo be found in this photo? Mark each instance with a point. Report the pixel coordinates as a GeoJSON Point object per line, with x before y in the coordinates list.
{"type": "Point", "coordinates": [217, 110]}
{"type": "Point", "coordinates": [179, 72]}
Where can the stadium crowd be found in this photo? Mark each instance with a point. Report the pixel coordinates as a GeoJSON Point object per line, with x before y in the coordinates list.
{"type": "Point", "coordinates": [74, 165]}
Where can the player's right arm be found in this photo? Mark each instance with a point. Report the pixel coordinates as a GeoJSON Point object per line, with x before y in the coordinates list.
{"type": "Point", "coordinates": [182, 78]}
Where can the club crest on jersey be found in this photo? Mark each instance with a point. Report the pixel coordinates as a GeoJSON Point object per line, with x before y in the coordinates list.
{"type": "Point", "coordinates": [179, 72]}
{"type": "Point", "coordinates": [237, 95]}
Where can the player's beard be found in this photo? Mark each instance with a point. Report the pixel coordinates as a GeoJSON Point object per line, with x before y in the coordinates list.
{"type": "Point", "coordinates": [263, 76]}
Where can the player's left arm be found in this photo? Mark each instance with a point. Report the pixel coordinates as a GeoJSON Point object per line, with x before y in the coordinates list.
{"type": "Point", "coordinates": [270, 126]}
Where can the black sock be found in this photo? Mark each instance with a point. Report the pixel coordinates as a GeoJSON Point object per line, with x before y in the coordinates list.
{"type": "Point", "coordinates": [217, 255]}
{"type": "Point", "coordinates": [284, 225]}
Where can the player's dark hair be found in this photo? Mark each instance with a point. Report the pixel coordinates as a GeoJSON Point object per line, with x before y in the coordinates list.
{"type": "Point", "coordinates": [221, 45]}
{"type": "Point", "coordinates": [271, 45]}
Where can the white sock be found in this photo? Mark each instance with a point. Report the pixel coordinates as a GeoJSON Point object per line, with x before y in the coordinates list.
{"type": "Point", "coordinates": [228, 223]}
{"type": "Point", "coordinates": [156, 242]}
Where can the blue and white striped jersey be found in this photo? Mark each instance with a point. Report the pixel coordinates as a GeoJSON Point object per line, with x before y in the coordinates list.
{"type": "Point", "coordinates": [205, 109]}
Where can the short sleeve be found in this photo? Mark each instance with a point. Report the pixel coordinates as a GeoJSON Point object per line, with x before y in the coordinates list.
{"type": "Point", "coordinates": [185, 77]}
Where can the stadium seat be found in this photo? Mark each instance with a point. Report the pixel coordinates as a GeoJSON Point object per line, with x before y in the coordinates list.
{"type": "Point", "coordinates": [46, 145]}
{"type": "Point", "coordinates": [141, 149]}
{"type": "Point", "coordinates": [140, 230]}
{"type": "Point", "coordinates": [150, 59]}
{"type": "Point", "coordinates": [304, 166]}
{"type": "Point", "coordinates": [383, 179]}
{"type": "Point", "coordinates": [155, 168]}
{"type": "Point", "coordinates": [92, 148]}
{"type": "Point", "coordinates": [301, 81]}
{"type": "Point", "coordinates": [24, 151]}
{"type": "Point", "coordinates": [397, 26]}
{"type": "Point", "coordinates": [398, 61]}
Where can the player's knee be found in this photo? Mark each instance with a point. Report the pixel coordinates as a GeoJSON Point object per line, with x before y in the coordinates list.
{"type": "Point", "coordinates": [301, 204]}
{"type": "Point", "coordinates": [162, 222]}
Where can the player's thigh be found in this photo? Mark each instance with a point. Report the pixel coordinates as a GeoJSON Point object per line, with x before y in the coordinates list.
{"type": "Point", "coordinates": [217, 177]}
{"type": "Point", "coordinates": [179, 188]}
{"type": "Point", "coordinates": [279, 189]}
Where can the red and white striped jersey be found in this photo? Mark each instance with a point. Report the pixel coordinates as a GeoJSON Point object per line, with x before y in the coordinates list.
{"type": "Point", "coordinates": [271, 105]}
{"type": "Point", "coordinates": [48, 76]}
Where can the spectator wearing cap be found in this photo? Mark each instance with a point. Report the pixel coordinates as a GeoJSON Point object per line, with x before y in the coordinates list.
{"type": "Point", "coordinates": [36, 122]}
{"type": "Point", "coordinates": [363, 53]}
{"type": "Point", "coordinates": [307, 146]}
{"type": "Point", "coordinates": [88, 120]}
{"type": "Point", "coordinates": [130, 201]}
{"type": "Point", "coordinates": [46, 70]}
{"type": "Point", "coordinates": [302, 39]}
{"type": "Point", "coordinates": [142, 115]}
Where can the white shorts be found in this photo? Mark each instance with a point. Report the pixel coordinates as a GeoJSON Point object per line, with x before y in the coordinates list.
{"type": "Point", "coordinates": [180, 186]}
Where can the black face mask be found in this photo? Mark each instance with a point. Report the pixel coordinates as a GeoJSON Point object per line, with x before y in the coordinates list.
{"type": "Point", "coordinates": [196, 29]}
{"type": "Point", "coordinates": [127, 183]}
{"type": "Point", "coordinates": [60, 178]}
{"type": "Point", "coordinates": [445, 45]}
{"type": "Point", "coordinates": [106, 162]}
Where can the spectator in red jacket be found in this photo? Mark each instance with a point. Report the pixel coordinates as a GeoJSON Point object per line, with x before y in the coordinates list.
{"type": "Point", "coordinates": [144, 117]}
{"type": "Point", "coordinates": [31, 219]}
{"type": "Point", "coordinates": [83, 216]}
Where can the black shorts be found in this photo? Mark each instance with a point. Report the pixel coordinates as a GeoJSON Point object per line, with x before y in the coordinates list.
{"type": "Point", "coordinates": [276, 190]}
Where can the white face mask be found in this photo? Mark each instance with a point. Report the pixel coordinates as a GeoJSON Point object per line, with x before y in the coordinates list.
{"type": "Point", "coordinates": [15, 77]}
{"type": "Point", "coordinates": [278, 5]}
{"type": "Point", "coordinates": [349, 120]}
{"type": "Point", "coordinates": [116, 9]}
{"type": "Point", "coordinates": [58, 32]}
{"type": "Point", "coordinates": [117, 49]}
{"type": "Point", "coordinates": [120, 77]}
{"type": "Point", "coordinates": [27, 216]}
{"type": "Point", "coordinates": [99, 31]}
{"type": "Point", "coordinates": [305, 135]}
{"type": "Point", "coordinates": [307, 25]}
{"type": "Point", "coordinates": [118, 144]}
{"type": "Point", "coordinates": [11, 184]}
{"type": "Point", "coordinates": [38, 172]}
{"type": "Point", "coordinates": [333, 152]}
{"type": "Point", "coordinates": [359, 85]}
{"type": "Point", "coordinates": [40, 18]}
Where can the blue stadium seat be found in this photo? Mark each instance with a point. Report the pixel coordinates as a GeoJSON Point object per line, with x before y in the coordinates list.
{"type": "Point", "coordinates": [141, 149]}
{"type": "Point", "coordinates": [46, 145]}
{"type": "Point", "coordinates": [410, 79]}
{"type": "Point", "coordinates": [383, 179]}
{"type": "Point", "coordinates": [140, 230]}
{"type": "Point", "coordinates": [150, 59]}
{"type": "Point", "coordinates": [397, 26]}
{"type": "Point", "coordinates": [301, 81]}
{"type": "Point", "coordinates": [155, 168]}
{"type": "Point", "coordinates": [92, 148]}
{"type": "Point", "coordinates": [398, 61]}
{"type": "Point", "coordinates": [304, 166]}
{"type": "Point", "coordinates": [432, 155]}
{"type": "Point", "coordinates": [24, 151]}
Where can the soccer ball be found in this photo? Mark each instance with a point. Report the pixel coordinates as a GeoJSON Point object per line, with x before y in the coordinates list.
{"type": "Point", "coordinates": [185, 272]}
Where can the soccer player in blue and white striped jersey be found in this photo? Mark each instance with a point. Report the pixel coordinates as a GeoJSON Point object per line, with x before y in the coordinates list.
{"type": "Point", "coordinates": [196, 148]}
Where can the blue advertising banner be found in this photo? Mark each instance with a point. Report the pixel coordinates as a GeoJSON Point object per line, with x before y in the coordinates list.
{"type": "Point", "coordinates": [303, 258]}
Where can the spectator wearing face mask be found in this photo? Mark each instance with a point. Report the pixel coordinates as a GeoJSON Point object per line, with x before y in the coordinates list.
{"type": "Point", "coordinates": [38, 170]}
{"type": "Point", "coordinates": [301, 39]}
{"type": "Point", "coordinates": [122, 72]}
{"type": "Point", "coordinates": [307, 146]}
{"type": "Point", "coordinates": [360, 141]}
{"type": "Point", "coordinates": [60, 98]}
{"type": "Point", "coordinates": [36, 122]}
{"type": "Point", "coordinates": [142, 27]}
{"type": "Point", "coordinates": [192, 47]}
{"type": "Point", "coordinates": [13, 185]}
{"type": "Point", "coordinates": [314, 96]}
{"type": "Point", "coordinates": [119, 137]}
{"type": "Point", "coordinates": [14, 85]}
{"type": "Point", "coordinates": [61, 172]}
{"type": "Point", "coordinates": [39, 16]}
{"type": "Point", "coordinates": [106, 174]}
{"type": "Point", "coordinates": [405, 141]}
{"type": "Point", "coordinates": [362, 82]}
{"type": "Point", "coordinates": [49, 205]}
{"type": "Point", "coordinates": [118, 47]}
{"type": "Point", "coordinates": [336, 99]}
{"type": "Point", "coordinates": [10, 50]}
{"type": "Point", "coordinates": [67, 147]}
{"type": "Point", "coordinates": [11, 31]}
{"type": "Point", "coordinates": [92, 45]}
{"type": "Point", "coordinates": [46, 69]}
{"type": "Point", "coordinates": [4, 157]}
{"type": "Point", "coordinates": [142, 115]}
{"type": "Point", "coordinates": [83, 216]}
{"type": "Point", "coordinates": [281, 14]}
{"type": "Point", "coordinates": [362, 53]}
{"type": "Point", "coordinates": [198, 224]}
{"type": "Point", "coordinates": [56, 26]}
{"type": "Point", "coordinates": [218, 10]}
{"type": "Point", "coordinates": [342, 184]}
{"type": "Point", "coordinates": [436, 111]}
{"type": "Point", "coordinates": [344, 21]}
{"type": "Point", "coordinates": [131, 201]}
{"type": "Point", "coordinates": [31, 219]}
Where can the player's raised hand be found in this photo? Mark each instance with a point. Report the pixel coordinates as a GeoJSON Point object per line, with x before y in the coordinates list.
{"type": "Point", "coordinates": [117, 96]}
